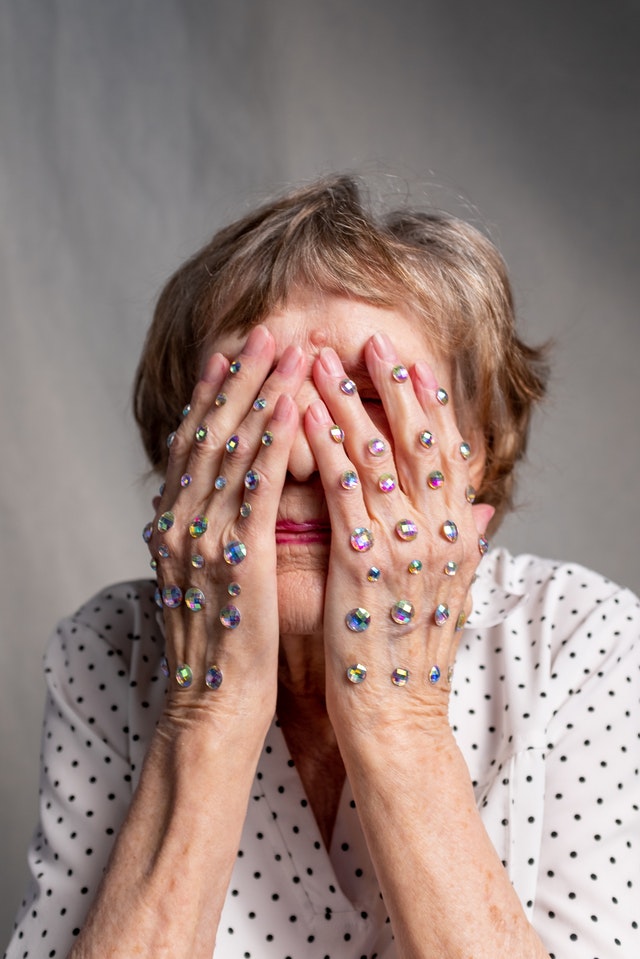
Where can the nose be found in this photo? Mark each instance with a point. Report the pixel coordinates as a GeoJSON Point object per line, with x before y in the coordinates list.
{"type": "Point", "coordinates": [302, 462]}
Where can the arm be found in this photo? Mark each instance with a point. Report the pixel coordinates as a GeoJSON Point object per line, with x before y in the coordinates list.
{"type": "Point", "coordinates": [442, 881]}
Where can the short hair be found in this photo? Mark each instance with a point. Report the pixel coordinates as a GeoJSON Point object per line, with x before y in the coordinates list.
{"type": "Point", "coordinates": [322, 237]}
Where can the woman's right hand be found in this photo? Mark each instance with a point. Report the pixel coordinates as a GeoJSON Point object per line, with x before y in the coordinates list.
{"type": "Point", "coordinates": [226, 443]}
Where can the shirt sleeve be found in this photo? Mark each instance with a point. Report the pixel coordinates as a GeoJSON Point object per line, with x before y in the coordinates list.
{"type": "Point", "coordinates": [85, 786]}
{"type": "Point", "coordinates": [588, 893]}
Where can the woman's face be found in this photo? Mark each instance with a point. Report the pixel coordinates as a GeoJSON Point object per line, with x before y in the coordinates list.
{"type": "Point", "coordinates": [302, 532]}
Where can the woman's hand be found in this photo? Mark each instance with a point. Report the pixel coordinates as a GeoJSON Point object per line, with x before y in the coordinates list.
{"type": "Point", "coordinates": [213, 534]}
{"type": "Point", "coordinates": [399, 592]}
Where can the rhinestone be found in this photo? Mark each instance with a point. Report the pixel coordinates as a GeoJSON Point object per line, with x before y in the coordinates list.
{"type": "Point", "coordinates": [170, 438]}
{"type": "Point", "coordinates": [220, 482]}
{"type": "Point", "coordinates": [164, 666]}
{"type": "Point", "coordinates": [357, 674]}
{"type": "Point", "coordinates": [245, 510]}
{"type": "Point", "coordinates": [400, 373]}
{"type": "Point", "coordinates": [233, 589]}
{"type": "Point", "coordinates": [336, 434]}
{"type": "Point", "coordinates": [230, 616]}
{"type": "Point", "coordinates": [406, 529]}
{"type": "Point", "coordinates": [373, 575]}
{"type": "Point", "coordinates": [184, 676]}
{"type": "Point", "coordinates": [166, 521]}
{"type": "Point", "coordinates": [161, 488]}
{"type": "Point", "coordinates": [465, 450]}
{"type": "Point", "coordinates": [450, 674]}
{"type": "Point", "coordinates": [415, 566]}
{"type": "Point", "coordinates": [461, 620]}
{"type": "Point", "coordinates": [147, 532]}
{"type": "Point", "coordinates": [402, 612]}
{"type": "Point", "coordinates": [376, 447]}
{"type": "Point", "coordinates": [358, 619]}
{"type": "Point", "coordinates": [252, 479]}
{"type": "Point", "coordinates": [441, 614]}
{"type": "Point", "coordinates": [232, 443]}
{"type": "Point", "coordinates": [348, 387]}
{"type": "Point", "coordinates": [201, 433]}
{"type": "Point", "coordinates": [153, 563]}
{"type": "Point", "coordinates": [186, 409]}
{"type": "Point", "coordinates": [387, 483]}
{"type": "Point", "coordinates": [198, 526]}
{"type": "Point", "coordinates": [483, 545]}
{"type": "Point", "coordinates": [234, 552]}
{"type": "Point", "coordinates": [400, 676]}
{"type": "Point", "coordinates": [213, 678]}
{"type": "Point", "coordinates": [450, 568]}
{"type": "Point", "coordinates": [427, 439]}
{"type": "Point", "coordinates": [197, 561]}
{"type": "Point", "coordinates": [470, 494]}
{"type": "Point", "coordinates": [185, 480]}
{"type": "Point", "coordinates": [450, 530]}
{"type": "Point", "coordinates": [361, 539]}
{"type": "Point", "coordinates": [434, 675]}
{"type": "Point", "coordinates": [259, 404]}
{"type": "Point", "coordinates": [235, 367]}
{"type": "Point", "coordinates": [349, 479]}
{"type": "Point", "coordinates": [267, 438]}
{"type": "Point", "coordinates": [442, 397]}
{"type": "Point", "coordinates": [194, 599]}
{"type": "Point", "coordinates": [171, 596]}
{"type": "Point", "coordinates": [157, 597]}
{"type": "Point", "coordinates": [435, 480]}
{"type": "Point", "coordinates": [163, 552]}
{"type": "Point", "coordinates": [220, 399]}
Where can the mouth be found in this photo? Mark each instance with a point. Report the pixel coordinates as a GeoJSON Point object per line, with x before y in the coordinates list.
{"type": "Point", "coordinates": [309, 531]}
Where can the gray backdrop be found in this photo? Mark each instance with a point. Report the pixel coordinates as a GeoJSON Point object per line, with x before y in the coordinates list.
{"type": "Point", "coordinates": [131, 129]}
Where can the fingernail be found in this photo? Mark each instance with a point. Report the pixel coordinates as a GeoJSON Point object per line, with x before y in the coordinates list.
{"type": "Point", "coordinates": [331, 361]}
{"type": "Point", "coordinates": [258, 339]}
{"type": "Point", "coordinates": [214, 369]}
{"type": "Point", "coordinates": [282, 409]}
{"type": "Point", "coordinates": [425, 375]}
{"type": "Point", "coordinates": [319, 412]}
{"type": "Point", "coordinates": [289, 360]}
{"type": "Point", "coordinates": [383, 346]}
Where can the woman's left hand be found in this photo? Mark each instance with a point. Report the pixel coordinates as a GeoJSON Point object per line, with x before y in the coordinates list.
{"type": "Point", "coordinates": [406, 540]}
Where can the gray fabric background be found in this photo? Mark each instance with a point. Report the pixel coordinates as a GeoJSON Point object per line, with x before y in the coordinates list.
{"type": "Point", "coordinates": [131, 129]}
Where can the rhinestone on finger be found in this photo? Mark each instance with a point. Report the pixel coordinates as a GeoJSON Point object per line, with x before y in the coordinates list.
{"type": "Point", "coordinates": [415, 567]}
{"type": "Point", "coordinates": [434, 675]}
{"type": "Point", "coordinates": [427, 439]}
{"type": "Point", "coordinates": [147, 532]}
{"type": "Point", "coordinates": [361, 539]}
{"type": "Point", "coordinates": [348, 387]}
{"type": "Point", "coordinates": [435, 480]}
{"type": "Point", "coordinates": [483, 545]}
{"type": "Point", "coordinates": [235, 367]}
{"type": "Point", "coordinates": [220, 399]}
{"type": "Point", "coordinates": [157, 597]}
{"type": "Point", "coordinates": [470, 494]}
{"type": "Point", "coordinates": [400, 373]}
{"type": "Point", "coordinates": [234, 552]}
{"type": "Point", "coordinates": [164, 666]}
{"type": "Point", "coordinates": [201, 433]}
{"type": "Point", "coordinates": [441, 614]}
{"type": "Point", "coordinates": [153, 563]}
{"type": "Point", "coordinates": [184, 676]}
{"type": "Point", "coordinates": [450, 530]}
{"type": "Point", "coordinates": [198, 526]}
{"type": "Point", "coordinates": [252, 479]}
{"type": "Point", "coordinates": [349, 479]}
{"type": "Point", "coordinates": [213, 678]}
{"type": "Point", "coordinates": [259, 404]}
{"type": "Point", "coordinates": [450, 674]}
{"type": "Point", "coordinates": [170, 438]}
{"type": "Point", "coordinates": [194, 599]}
{"type": "Point", "coordinates": [267, 438]}
{"type": "Point", "coordinates": [442, 397]}
{"type": "Point", "coordinates": [197, 561]}
{"type": "Point", "coordinates": [230, 616]}
{"type": "Point", "coordinates": [373, 574]}
{"type": "Point", "coordinates": [461, 620]}
{"type": "Point", "coordinates": [166, 521]}
{"type": "Point", "coordinates": [336, 434]}
{"type": "Point", "coordinates": [171, 596]}
{"type": "Point", "coordinates": [357, 673]}
{"type": "Point", "coordinates": [376, 446]}
{"type": "Point", "coordinates": [186, 409]}
{"type": "Point", "coordinates": [233, 589]}
{"type": "Point", "coordinates": [220, 482]}
{"type": "Point", "coordinates": [465, 450]}
{"type": "Point", "coordinates": [387, 483]}
{"type": "Point", "coordinates": [185, 480]}
{"type": "Point", "coordinates": [400, 676]}
{"type": "Point", "coordinates": [402, 612]}
{"type": "Point", "coordinates": [450, 568]}
{"type": "Point", "coordinates": [232, 443]}
{"type": "Point", "coordinates": [163, 552]}
{"type": "Point", "coordinates": [406, 529]}
{"type": "Point", "coordinates": [358, 619]}
{"type": "Point", "coordinates": [245, 510]}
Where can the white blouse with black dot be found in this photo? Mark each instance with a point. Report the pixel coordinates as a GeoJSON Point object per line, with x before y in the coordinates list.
{"type": "Point", "coordinates": [545, 709]}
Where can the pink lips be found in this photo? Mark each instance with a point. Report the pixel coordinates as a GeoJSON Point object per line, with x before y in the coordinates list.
{"type": "Point", "coordinates": [311, 531]}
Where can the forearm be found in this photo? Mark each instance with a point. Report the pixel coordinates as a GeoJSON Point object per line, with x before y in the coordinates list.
{"type": "Point", "coordinates": [444, 886]}
{"type": "Point", "coordinates": [166, 881]}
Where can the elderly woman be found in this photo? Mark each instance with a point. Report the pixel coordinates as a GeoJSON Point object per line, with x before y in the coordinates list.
{"type": "Point", "coordinates": [337, 405]}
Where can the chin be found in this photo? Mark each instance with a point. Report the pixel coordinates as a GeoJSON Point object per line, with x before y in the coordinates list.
{"type": "Point", "coordinates": [301, 600]}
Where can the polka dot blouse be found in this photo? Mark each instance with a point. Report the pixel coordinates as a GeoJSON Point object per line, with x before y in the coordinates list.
{"type": "Point", "coordinates": [544, 707]}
